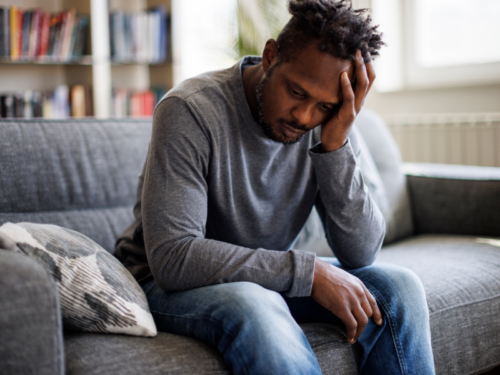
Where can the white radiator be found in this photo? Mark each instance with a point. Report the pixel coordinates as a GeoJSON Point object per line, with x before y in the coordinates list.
{"type": "Point", "coordinates": [467, 138]}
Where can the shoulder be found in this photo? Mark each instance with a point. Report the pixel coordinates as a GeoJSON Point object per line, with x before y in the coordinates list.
{"type": "Point", "coordinates": [204, 85]}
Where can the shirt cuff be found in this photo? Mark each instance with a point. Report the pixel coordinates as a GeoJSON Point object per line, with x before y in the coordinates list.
{"type": "Point", "coordinates": [303, 274]}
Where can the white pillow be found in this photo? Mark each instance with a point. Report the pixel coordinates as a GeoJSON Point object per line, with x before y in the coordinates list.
{"type": "Point", "coordinates": [96, 292]}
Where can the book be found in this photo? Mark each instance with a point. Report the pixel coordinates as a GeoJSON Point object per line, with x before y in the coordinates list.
{"type": "Point", "coordinates": [44, 35]}
{"type": "Point", "coordinates": [77, 99]}
{"type": "Point", "coordinates": [80, 35]}
{"type": "Point", "coordinates": [14, 33]}
{"type": "Point", "coordinates": [89, 111]}
{"type": "Point", "coordinates": [67, 33]}
{"type": "Point", "coordinates": [140, 36]}
{"type": "Point", "coordinates": [27, 104]}
{"type": "Point", "coordinates": [7, 106]}
{"type": "Point", "coordinates": [5, 32]}
{"type": "Point", "coordinates": [36, 104]}
{"type": "Point", "coordinates": [35, 31]}
{"type": "Point", "coordinates": [18, 104]}
{"type": "Point", "coordinates": [53, 29]}
{"type": "Point", "coordinates": [26, 27]}
{"type": "Point", "coordinates": [163, 31]}
{"type": "Point", "coordinates": [59, 36]}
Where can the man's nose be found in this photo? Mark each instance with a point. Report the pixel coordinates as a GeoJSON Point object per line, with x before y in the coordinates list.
{"type": "Point", "coordinates": [303, 113]}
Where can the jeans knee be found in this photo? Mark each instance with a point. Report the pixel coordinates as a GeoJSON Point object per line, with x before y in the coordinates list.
{"type": "Point", "coordinates": [399, 287]}
{"type": "Point", "coordinates": [250, 303]}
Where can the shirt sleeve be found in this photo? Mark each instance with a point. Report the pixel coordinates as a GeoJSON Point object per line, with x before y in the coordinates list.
{"type": "Point", "coordinates": [174, 214]}
{"type": "Point", "coordinates": [354, 225]}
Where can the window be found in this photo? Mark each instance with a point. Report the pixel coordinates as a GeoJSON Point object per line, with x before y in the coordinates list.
{"type": "Point", "coordinates": [438, 43]}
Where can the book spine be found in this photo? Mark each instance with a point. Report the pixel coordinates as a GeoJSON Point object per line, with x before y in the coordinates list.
{"type": "Point", "coordinates": [2, 40]}
{"type": "Point", "coordinates": [35, 31]}
{"type": "Point", "coordinates": [53, 25]}
{"type": "Point", "coordinates": [72, 42]}
{"type": "Point", "coordinates": [28, 104]}
{"type": "Point", "coordinates": [9, 106]}
{"type": "Point", "coordinates": [6, 32]}
{"type": "Point", "coordinates": [150, 36]}
{"type": "Point", "coordinates": [88, 101]}
{"type": "Point", "coordinates": [163, 34]}
{"type": "Point", "coordinates": [26, 22]}
{"type": "Point", "coordinates": [44, 35]}
{"type": "Point", "coordinates": [77, 50]}
{"type": "Point", "coordinates": [84, 33]}
{"type": "Point", "coordinates": [37, 104]}
{"type": "Point", "coordinates": [60, 34]}
{"type": "Point", "coordinates": [14, 34]}
{"type": "Point", "coordinates": [67, 33]}
{"type": "Point", "coordinates": [20, 14]}
{"type": "Point", "coordinates": [77, 100]}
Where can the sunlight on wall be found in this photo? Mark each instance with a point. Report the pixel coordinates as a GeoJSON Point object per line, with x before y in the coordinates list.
{"type": "Point", "coordinates": [204, 35]}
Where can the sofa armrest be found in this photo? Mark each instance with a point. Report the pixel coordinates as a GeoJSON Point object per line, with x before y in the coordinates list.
{"type": "Point", "coordinates": [454, 199]}
{"type": "Point", "coordinates": [30, 318]}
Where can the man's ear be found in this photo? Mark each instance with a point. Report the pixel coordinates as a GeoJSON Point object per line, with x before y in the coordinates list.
{"type": "Point", "coordinates": [270, 54]}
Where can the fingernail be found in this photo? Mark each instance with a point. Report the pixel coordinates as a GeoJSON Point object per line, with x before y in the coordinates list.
{"type": "Point", "coordinates": [380, 321]}
{"type": "Point", "coordinates": [358, 54]}
{"type": "Point", "coordinates": [352, 341]}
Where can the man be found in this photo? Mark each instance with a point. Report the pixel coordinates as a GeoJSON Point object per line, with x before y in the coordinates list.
{"type": "Point", "coordinates": [237, 161]}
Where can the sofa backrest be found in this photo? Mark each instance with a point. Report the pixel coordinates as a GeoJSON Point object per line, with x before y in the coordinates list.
{"type": "Point", "coordinates": [80, 174]}
{"type": "Point", "coordinates": [387, 158]}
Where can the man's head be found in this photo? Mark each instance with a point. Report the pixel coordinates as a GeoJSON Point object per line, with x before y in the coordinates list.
{"type": "Point", "coordinates": [301, 86]}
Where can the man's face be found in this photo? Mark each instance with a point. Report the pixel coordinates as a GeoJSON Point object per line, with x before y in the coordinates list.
{"type": "Point", "coordinates": [296, 97]}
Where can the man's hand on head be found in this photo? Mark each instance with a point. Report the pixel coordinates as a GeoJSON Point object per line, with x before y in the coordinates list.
{"type": "Point", "coordinates": [335, 132]}
{"type": "Point", "coordinates": [346, 297]}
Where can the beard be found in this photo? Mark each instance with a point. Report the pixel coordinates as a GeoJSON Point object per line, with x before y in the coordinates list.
{"type": "Point", "coordinates": [261, 94]}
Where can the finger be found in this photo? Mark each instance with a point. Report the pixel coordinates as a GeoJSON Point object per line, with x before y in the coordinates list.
{"type": "Point", "coordinates": [347, 110]}
{"type": "Point", "coordinates": [371, 72]}
{"type": "Point", "coordinates": [376, 314]}
{"type": "Point", "coordinates": [366, 306]}
{"type": "Point", "coordinates": [361, 319]}
{"type": "Point", "coordinates": [351, 326]}
{"type": "Point", "coordinates": [362, 81]}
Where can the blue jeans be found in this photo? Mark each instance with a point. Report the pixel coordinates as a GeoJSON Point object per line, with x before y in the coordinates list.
{"type": "Point", "coordinates": [257, 330]}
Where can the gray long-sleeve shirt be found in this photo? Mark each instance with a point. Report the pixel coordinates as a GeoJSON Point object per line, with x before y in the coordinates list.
{"type": "Point", "coordinates": [219, 202]}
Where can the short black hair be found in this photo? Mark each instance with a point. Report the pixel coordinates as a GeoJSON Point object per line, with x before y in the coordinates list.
{"type": "Point", "coordinates": [333, 26]}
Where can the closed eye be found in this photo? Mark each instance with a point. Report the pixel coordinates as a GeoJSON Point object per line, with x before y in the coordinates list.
{"type": "Point", "coordinates": [330, 108]}
{"type": "Point", "coordinates": [297, 94]}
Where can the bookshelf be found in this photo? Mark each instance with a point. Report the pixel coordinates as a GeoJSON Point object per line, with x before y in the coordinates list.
{"type": "Point", "coordinates": [96, 68]}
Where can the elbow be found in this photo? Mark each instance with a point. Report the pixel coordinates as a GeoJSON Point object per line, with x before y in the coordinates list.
{"type": "Point", "coordinates": [165, 263]}
{"type": "Point", "coordinates": [365, 252]}
{"type": "Point", "coordinates": [375, 244]}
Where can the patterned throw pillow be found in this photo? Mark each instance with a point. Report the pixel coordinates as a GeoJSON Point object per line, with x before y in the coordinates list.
{"type": "Point", "coordinates": [96, 292]}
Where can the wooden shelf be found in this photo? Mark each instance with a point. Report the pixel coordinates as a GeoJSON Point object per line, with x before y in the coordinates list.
{"type": "Point", "coordinates": [45, 73]}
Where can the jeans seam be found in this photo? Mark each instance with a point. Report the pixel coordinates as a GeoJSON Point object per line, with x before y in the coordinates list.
{"type": "Point", "coordinates": [242, 366]}
{"type": "Point", "coordinates": [395, 337]}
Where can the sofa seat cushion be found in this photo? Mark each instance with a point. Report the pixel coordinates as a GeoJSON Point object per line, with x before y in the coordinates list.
{"type": "Point", "coordinates": [101, 354]}
{"type": "Point", "coordinates": [461, 276]}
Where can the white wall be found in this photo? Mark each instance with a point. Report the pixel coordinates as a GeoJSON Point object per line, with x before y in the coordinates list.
{"type": "Point", "coordinates": [449, 100]}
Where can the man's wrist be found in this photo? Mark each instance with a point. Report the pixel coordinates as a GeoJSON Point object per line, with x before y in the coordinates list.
{"type": "Point", "coordinates": [327, 147]}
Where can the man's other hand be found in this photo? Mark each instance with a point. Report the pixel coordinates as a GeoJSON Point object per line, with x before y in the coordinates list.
{"type": "Point", "coordinates": [346, 297]}
{"type": "Point", "coordinates": [335, 132]}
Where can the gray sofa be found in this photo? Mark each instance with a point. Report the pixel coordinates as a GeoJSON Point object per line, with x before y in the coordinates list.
{"type": "Point", "coordinates": [442, 223]}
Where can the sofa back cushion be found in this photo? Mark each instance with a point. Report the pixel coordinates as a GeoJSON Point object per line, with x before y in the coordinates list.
{"type": "Point", "coordinates": [387, 158]}
{"type": "Point", "coordinates": [80, 174]}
